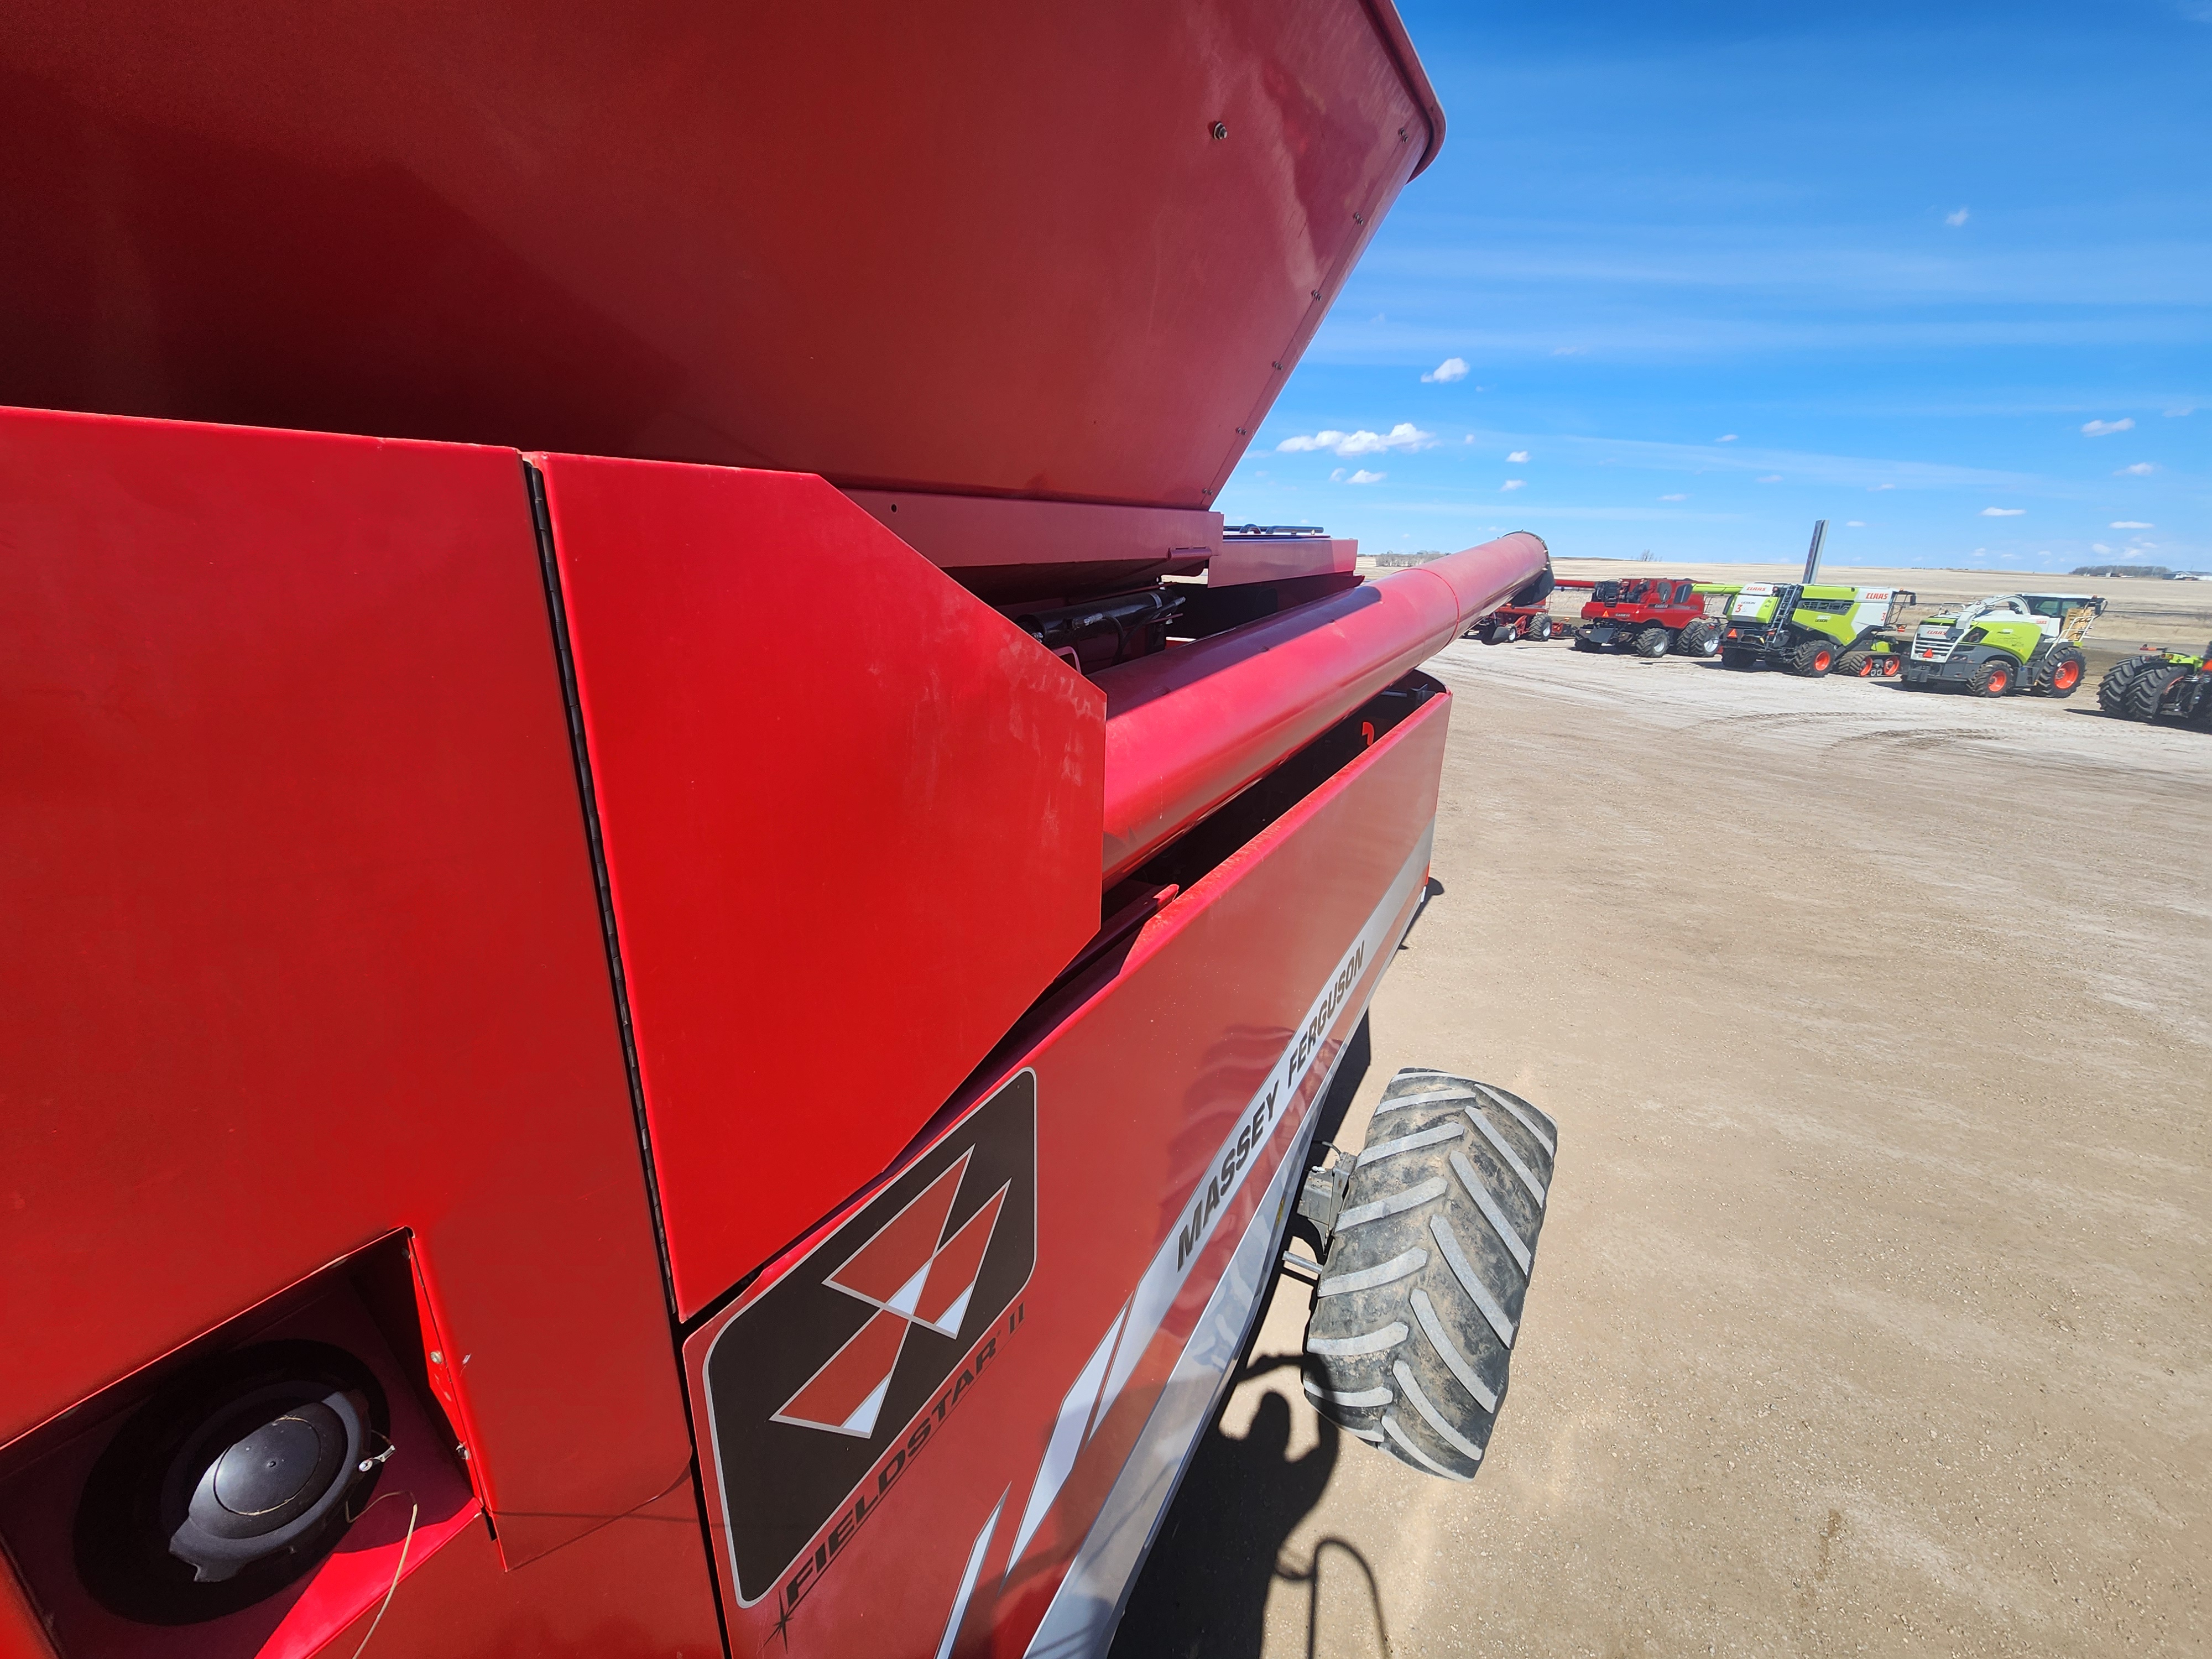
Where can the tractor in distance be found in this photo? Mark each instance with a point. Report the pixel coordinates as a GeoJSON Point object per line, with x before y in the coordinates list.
{"type": "Point", "coordinates": [1526, 616]}
{"type": "Point", "coordinates": [2004, 643]}
{"type": "Point", "coordinates": [1651, 615]}
{"type": "Point", "coordinates": [2155, 684]}
{"type": "Point", "coordinates": [1811, 628]}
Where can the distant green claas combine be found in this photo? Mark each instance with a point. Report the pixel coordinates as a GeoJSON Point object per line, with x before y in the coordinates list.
{"type": "Point", "coordinates": [2007, 643]}
{"type": "Point", "coordinates": [1810, 628]}
{"type": "Point", "coordinates": [1814, 628]}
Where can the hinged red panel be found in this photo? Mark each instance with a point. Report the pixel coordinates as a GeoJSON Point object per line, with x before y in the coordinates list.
{"type": "Point", "coordinates": [851, 818]}
{"type": "Point", "coordinates": [303, 947]}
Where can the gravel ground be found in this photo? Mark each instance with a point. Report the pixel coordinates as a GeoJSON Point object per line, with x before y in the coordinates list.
{"type": "Point", "coordinates": [1872, 1312]}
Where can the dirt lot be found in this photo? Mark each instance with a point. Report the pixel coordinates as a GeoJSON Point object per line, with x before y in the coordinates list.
{"type": "Point", "coordinates": [1874, 1309]}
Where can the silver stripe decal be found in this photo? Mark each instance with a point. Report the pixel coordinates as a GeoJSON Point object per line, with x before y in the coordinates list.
{"type": "Point", "coordinates": [1551, 1146]}
{"type": "Point", "coordinates": [1447, 1351]}
{"type": "Point", "coordinates": [1396, 1204]}
{"type": "Point", "coordinates": [1357, 1397]}
{"type": "Point", "coordinates": [1367, 1277]}
{"type": "Point", "coordinates": [1491, 1212]}
{"type": "Point", "coordinates": [1077, 1414]}
{"type": "Point", "coordinates": [1390, 1427]}
{"type": "Point", "coordinates": [1414, 1142]}
{"type": "Point", "coordinates": [1429, 1098]}
{"type": "Point", "coordinates": [1498, 1145]}
{"type": "Point", "coordinates": [1372, 1342]}
{"type": "Point", "coordinates": [1474, 1286]}
{"type": "Point", "coordinates": [1459, 1443]}
{"type": "Point", "coordinates": [967, 1578]}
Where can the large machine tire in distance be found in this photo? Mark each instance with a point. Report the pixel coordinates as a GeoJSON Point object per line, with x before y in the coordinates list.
{"type": "Point", "coordinates": [2059, 674]}
{"type": "Point", "coordinates": [1539, 627]}
{"type": "Point", "coordinates": [1697, 639]}
{"type": "Point", "coordinates": [1813, 658]}
{"type": "Point", "coordinates": [2112, 689]}
{"type": "Point", "coordinates": [2147, 688]}
{"type": "Point", "coordinates": [1422, 1291]}
{"type": "Point", "coordinates": [1857, 664]}
{"type": "Point", "coordinates": [1653, 642]}
{"type": "Point", "coordinates": [1993, 676]}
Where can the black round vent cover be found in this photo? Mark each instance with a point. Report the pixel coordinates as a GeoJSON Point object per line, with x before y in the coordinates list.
{"type": "Point", "coordinates": [231, 1482]}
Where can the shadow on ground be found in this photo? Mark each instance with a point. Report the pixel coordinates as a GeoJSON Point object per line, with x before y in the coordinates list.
{"type": "Point", "coordinates": [1205, 1588]}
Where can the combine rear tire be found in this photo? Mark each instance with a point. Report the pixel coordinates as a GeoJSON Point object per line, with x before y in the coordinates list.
{"type": "Point", "coordinates": [1892, 665]}
{"type": "Point", "coordinates": [1653, 642]}
{"type": "Point", "coordinates": [1539, 627]}
{"type": "Point", "coordinates": [1422, 1291]}
{"type": "Point", "coordinates": [1857, 664]}
{"type": "Point", "coordinates": [1813, 659]}
{"type": "Point", "coordinates": [2059, 674]}
{"type": "Point", "coordinates": [2148, 689]}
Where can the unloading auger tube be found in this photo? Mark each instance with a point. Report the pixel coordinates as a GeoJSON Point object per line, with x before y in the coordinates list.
{"type": "Point", "coordinates": [1187, 729]}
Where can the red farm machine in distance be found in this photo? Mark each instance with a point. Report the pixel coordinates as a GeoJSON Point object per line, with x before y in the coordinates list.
{"type": "Point", "coordinates": [1650, 615]}
{"type": "Point", "coordinates": [669, 992]}
{"type": "Point", "coordinates": [1526, 616]}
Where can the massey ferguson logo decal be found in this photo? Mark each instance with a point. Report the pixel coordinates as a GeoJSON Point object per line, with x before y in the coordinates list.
{"type": "Point", "coordinates": [822, 1391]}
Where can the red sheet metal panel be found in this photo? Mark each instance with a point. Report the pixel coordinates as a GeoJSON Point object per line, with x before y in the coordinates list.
{"type": "Point", "coordinates": [1188, 728]}
{"type": "Point", "coordinates": [1119, 1095]}
{"type": "Point", "coordinates": [304, 946]}
{"type": "Point", "coordinates": [850, 818]}
{"type": "Point", "coordinates": [995, 247]}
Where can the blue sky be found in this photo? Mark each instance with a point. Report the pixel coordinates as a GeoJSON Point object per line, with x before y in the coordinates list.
{"type": "Point", "coordinates": [1942, 275]}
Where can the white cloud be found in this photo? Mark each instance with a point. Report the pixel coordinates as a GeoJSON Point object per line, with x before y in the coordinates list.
{"type": "Point", "coordinates": [2099, 547]}
{"type": "Point", "coordinates": [1468, 439]}
{"type": "Point", "coordinates": [1404, 435]}
{"type": "Point", "coordinates": [1517, 457]}
{"type": "Point", "coordinates": [1452, 368]}
{"type": "Point", "coordinates": [2133, 524]}
{"type": "Point", "coordinates": [1957, 216]}
{"type": "Point", "coordinates": [1674, 498]}
{"type": "Point", "coordinates": [2105, 428]}
{"type": "Point", "coordinates": [2179, 414]}
{"type": "Point", "coordinates": [1568, 351]}
{"type": "Point", "coordinates": [2140, 470]}
{"type": "Point", "coordinates": [2002, 512]}
{"type": "Point", "coordinates": [1855, 524]}
{"type": "Point", "coordinates": [1725, 438]}
{"type": "Point", "coordinates": [1874, 487]}
{"type": "Point", "coordinates": [1514, 484]}
{"type": "Point", "coordinates": [1364, 477]}
{"type": "Point", "coordinates": [1771, 477]}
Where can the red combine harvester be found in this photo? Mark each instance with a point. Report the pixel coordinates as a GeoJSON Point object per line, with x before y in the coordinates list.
{"type": "Point", "coordinates": [1650, 615]}
{"type": "Point", "coordinates": [678, 1006]}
